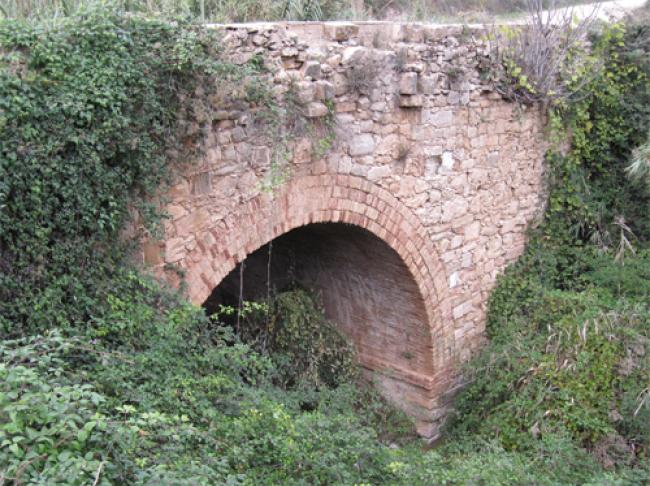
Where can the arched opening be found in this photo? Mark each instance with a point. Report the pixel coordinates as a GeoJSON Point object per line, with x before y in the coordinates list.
{"type": "Point", "coordinates": [367, 291]}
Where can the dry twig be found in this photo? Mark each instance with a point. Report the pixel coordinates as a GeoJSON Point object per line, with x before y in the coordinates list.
{"type": "Point", "coordinates": [544, 60]}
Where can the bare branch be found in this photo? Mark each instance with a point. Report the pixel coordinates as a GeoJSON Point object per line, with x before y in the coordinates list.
{"type": "Point", "coordinates": [546, 59]}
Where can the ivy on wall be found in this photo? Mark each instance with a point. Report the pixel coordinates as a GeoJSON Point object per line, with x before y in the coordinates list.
{"type": "Point", "coordinates": [90, 108]}
{"type": "Point", "coordinates": [590, 188]}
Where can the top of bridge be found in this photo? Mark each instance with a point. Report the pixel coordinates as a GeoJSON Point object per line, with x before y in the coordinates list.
{"type": "Point", "coordinates": [322, 32]}
{"type": "Point", "coordinates": [359, 32]}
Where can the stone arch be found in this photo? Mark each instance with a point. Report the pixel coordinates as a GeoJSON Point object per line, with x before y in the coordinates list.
{"type": "Point", "coordinates": [354, 201]}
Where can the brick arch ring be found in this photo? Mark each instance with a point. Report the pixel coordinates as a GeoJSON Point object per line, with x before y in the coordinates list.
{"type": "Point", "coordinates": [332, 199]}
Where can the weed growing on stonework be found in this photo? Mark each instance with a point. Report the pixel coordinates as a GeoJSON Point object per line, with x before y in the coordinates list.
{"type": "Point", "coordinates": [362, 75]}
{"type": "Point", "coordinates": [546, 59]}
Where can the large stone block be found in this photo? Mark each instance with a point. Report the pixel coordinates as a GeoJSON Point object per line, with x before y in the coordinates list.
{"type": "Point", "coordinates": [324, 90]}
{"type": "Point", "coordinates": [411, 101]}
{"type": "Point", "coordinates": [408, 83]}
{"type": "Point", "coordinates": [438, 118]}
{"type": "Point", "coordinates": [312, 69]}
{"type": "Point", "coordinates": [340, 31]}
{"type": "Point", "coordinates": [316, 110]}
{"type": "Point", "coordinates": [362, 144]}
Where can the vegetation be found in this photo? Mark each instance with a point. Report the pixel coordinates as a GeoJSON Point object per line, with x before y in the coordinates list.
{"type": "Point", "coordinates": [546, 62]}
{"type": "Point", "coordinates": [224, 11]}
{"type": "Point", "coordinates": [306, 350]}
{"type": "Point", "coordinates": [108, 378]}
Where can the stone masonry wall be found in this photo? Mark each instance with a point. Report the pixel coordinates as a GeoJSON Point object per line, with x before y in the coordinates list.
{"type": "Point", "coordinates": [426, 156]}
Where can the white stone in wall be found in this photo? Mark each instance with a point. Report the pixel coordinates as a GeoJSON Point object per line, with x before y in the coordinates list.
{"type": "Point", "coordinates": [362, 144]}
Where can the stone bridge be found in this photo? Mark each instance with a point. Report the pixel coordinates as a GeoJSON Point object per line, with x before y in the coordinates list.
{"type": "Point", "coordinates": [401, 214]}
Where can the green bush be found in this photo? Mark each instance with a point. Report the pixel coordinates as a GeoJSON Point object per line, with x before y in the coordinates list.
{"type": "Point", "coordinates": [590, 189]}
{"type": "Point", "coordinates": [140, 387]}
{"type": "Point", "coordinates": [563, 362]}
{"type": "Point", "coordinates": [630, 280]}
{"type": "Point", "coordinates": [188, 405]}
{"type": "Point", "coordinates": [306, 350]}
{"type": "Point", "coordinates": [83, 141]}
{"type": "Point", "coordinates": [49, 427]}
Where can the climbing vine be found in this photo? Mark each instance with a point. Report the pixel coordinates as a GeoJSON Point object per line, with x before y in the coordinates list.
{"type": "Point", "coordinates": [91, 116]}
{"type": "Point", "coordinates": [603, 126]}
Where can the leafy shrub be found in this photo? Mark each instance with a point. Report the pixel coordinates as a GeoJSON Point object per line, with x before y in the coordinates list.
{"type": "Point", "coordinates": [590, 188]}
{"type": "Point", "coordinates": [558, 364]}
{"type": "Point", "coordinates": [56, 431]}
{"type": "Point", "coordinates": [630, 280]}
{"type": "Point", "coordinates": [186, 404]}
{"type": "Point", "coordinates": [143, 388]}
{"type": "Point", "coordinates": [476, 462]}
{"type": "Point", "coordinates": [306, 349]}
{"type": "Point", "coordinates": [48, 427]}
